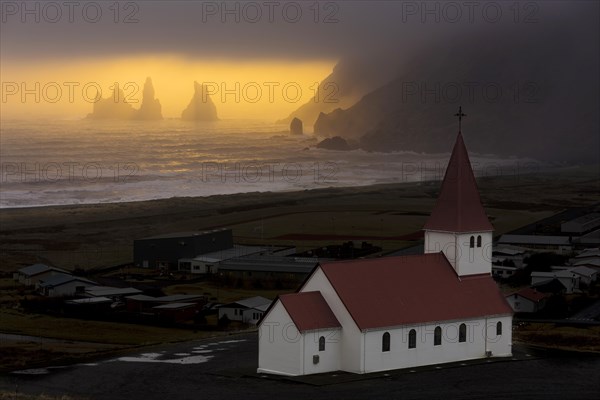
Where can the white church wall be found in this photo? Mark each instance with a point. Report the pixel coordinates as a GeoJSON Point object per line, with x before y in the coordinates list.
{"type": "Point", "coordinates": [351, 345]}
{"type": "Point", "coordinates": [465, 259]}
{"type": "Point", "coordinates": [500, 345]}
{"type": "Point", "coordinates": [474, 260]}
{"type": "Point", "coordinates": [441, 241]}
{"type": "Point", "coordinates": [280, 345]}
{"type": "Point", "coordinates": [328, 359]}
{"type": "Point", "coordinates": [426, 353]}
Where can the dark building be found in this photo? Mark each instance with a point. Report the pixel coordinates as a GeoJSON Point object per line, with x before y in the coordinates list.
{"type": "Point", "coordinates": [164, 250]}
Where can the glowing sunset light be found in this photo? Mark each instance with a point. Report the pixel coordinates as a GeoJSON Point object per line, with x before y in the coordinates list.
{"type": "Point", "coordinates": [256, 89]}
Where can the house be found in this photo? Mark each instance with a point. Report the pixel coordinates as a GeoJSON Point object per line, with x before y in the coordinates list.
{"type": "Point", "coordinates": [141, 303]}
{"type": "Point", "coordinates": [235, 311]}
{"type": "Point", "coordinates": [508, 256]}
{"type": "Point", "coordinates": [112, 292]}
{"type": "Point", "coordinates": [502, 272]}
{"type": "Point", "coordinates": [64, 285]}
{"type": "Point", "coordinates": [164, 251]}
{"type": "Point", "coordinates": [268, 268]}
{"type": "Point", "coordinates": [567, 278]}
{"type": "Point", "coordinates": [254, 314]}
{"type": "Point", "coordinates": [32, 274]}
{"type": "Point", "coordinates": [586, 275]}
{"type": "Point", "coordinates": [527, 300]}
{"type": "Point", "coordinates": [209, 263]}
{"type": "Point", "coordinates": [386, 313]}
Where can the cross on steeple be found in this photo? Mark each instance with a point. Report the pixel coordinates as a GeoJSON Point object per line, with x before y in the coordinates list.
{"type": "Point", "coordinates": [460, 115]}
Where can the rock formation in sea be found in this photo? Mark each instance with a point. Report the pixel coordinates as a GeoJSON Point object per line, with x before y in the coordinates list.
{"type": "Point", "coordinates": [296, 127]}
{"type": "Point", "coordinates": [201, 107]}
{"type": "Point", "coordinates": [114, 107]}
{"type": "Point", "coordinates": [150, 108]}
{"type": "Point", "coordinates": [336, 143]}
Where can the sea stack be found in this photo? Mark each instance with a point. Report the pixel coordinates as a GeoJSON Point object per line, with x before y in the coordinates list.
{"type": "Point", "coordinates": [150, 108]}
{"type": "Point", "coordinates": [201, 108]}
{"type": "Point", "coordinates": [296, 127]}
{"type": "Point", "coordinates": [113, 107]}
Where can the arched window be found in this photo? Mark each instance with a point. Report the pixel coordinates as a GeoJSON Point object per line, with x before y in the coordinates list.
{"type": "Point", "coordinates": [462, 333]}
{"type": "Point", "coordinates": [385, 342]}
{"type": "Point", "coordinates": [412, 339]}
{"type": "Point", "coordinates": [478, 240]}
{"type": "Point", "coordinates": [322, 343]}
{"type": "Point", "coordinates": [499, 328]}
{"type": "Point", "coordinates": [437, 336]}
{"type": "Point", "coordinates": [472, 242]}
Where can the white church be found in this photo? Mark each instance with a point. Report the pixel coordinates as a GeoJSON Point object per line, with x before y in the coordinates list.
{"type": "Point", "coordinates": [387, 313]}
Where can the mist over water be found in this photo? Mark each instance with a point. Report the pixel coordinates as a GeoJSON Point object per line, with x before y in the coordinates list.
{"type": "Point", "coordinates": [84, 162]}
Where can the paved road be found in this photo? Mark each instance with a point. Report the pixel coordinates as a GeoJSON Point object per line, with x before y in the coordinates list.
{"type": "Point", "coordinates": [211, 370]}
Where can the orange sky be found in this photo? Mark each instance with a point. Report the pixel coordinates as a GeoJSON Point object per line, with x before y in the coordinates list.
{"type": "Point", "coordinates": [265, 90]}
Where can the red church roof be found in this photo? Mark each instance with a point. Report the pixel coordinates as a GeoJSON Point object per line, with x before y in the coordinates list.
{"type": "Point", "coordinates": [458, 208]}
{"type": "Point", "coordinates": [309, 311]}
{"type": "Point", "coordinates": [393, 291]}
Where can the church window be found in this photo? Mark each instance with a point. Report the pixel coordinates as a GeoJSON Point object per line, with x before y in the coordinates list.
{"type": "Point", "coordinates": [322, 343]}
{"type": "Point", "coordinates": [437, 336]}
{"type": "Point", "coordinates": [478, 240]}
{"type": "Point", "coordinates": [472, 242]}
{"type": "Point", "coordinates": [412, 339]}
{"type": "Point", "coordinates": [499, 328]}
{"type": "Point", "coordinates": [462, 333]}
{"type": "Point", "coordinates": [385, 342]}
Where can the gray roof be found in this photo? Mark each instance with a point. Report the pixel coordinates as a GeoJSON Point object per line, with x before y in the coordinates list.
{"type": "Point", "coordinates": [584, 271]}
{"type": "Point", "coordinates": [90, 300]}
{"type": "Point", "coordinates": [173, 306]}
{"type": "Point", "coordinates": [251, 302]}
{"type": "Point", "coordinates": [36, 269]}
{"type": "Point", "coordinates": [166, 299]}
{"type": "Point", "coordinates": [262, 308]}
{"type": "Point", "coordinates": [535, 239]}
{"type": "Point", "coordinates": [271, 264]}
{"type": "Point", "coordinates": [184, 234]}
{"type": "Point", "coordinates": [100, 291]}
{"type": "Point", "coordinates": [590, 261]}
{"type": "Point", "coordinates": [233, 252]}
{"type": "Point", "coordinates": [61, 279]}
{"type": "Point", "coordinates": [552, 274]}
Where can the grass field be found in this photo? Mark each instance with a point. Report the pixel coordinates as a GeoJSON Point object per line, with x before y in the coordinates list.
{"type": "Point", "coordinates": [560, 337]}
{"type": "Point", "coordinates": [111, 333]}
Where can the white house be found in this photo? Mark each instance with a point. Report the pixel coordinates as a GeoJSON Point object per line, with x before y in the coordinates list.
{"type": "Point", "coordinates": [242, 310]}
{"type": "Point", "coordinates": [209, 263]}
{"type": "Point", "coordinates": [32, 274]}
{"type": "Point", "coordinates": [64, 285]}
{"type": "Point", "coordinates": [586, 275]}
{"type": "Point", "coordinates": [379, 314]}
{"type": "Point", "coordinates": [527, 300]}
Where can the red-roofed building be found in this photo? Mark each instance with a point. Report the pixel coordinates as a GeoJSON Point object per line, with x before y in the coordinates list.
{"type": "Point", "coordinates": [527, 300]}
{"type": "Point", "coordinates": [387, 313]}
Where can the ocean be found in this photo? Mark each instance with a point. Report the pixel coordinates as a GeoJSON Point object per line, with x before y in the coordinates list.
{"type": "Point", "coordinates": [47, 163]}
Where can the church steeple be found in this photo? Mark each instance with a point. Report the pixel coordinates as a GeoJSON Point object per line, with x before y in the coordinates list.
{"type": "Point", "coordinates": [458, 208]}
{"type": "Point", "coordinates": [458, 225]}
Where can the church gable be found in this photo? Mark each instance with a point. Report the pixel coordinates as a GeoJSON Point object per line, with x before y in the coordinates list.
{"type": "Point", "coordinates": [309, 311]}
